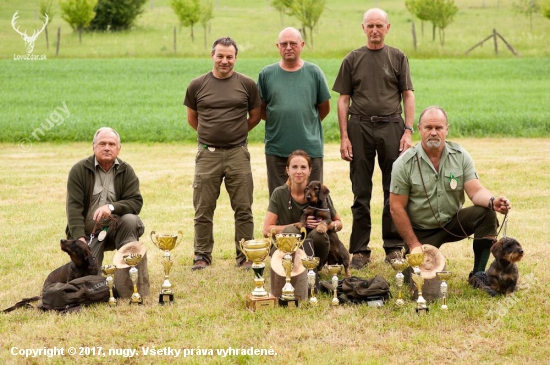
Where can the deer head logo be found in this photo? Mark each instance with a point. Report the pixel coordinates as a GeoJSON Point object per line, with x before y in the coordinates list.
{"type": "Point", "coordinates": [29, 41]}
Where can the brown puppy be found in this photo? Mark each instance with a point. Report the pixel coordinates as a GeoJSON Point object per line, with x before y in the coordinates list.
{"type": "Point", "coordinates": [82, 263]}
{"type": "Point", "coordinates": [316, 195]}
{"type": "Point", "coordinates": [502, 276]}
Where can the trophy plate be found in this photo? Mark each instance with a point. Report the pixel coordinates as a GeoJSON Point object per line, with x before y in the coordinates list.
{"type": "Point", "coordinates": [288, 303]}
{"type": "Point", "coordinates": [165, 298]}
{"type": "Point", "coordinates": [254, 303]}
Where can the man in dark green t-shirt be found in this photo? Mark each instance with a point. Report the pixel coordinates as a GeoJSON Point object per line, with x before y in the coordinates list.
{"type": "Point", "coordinates": [222, 106]}
{"type": "Point", "coordinates": [374, 79]}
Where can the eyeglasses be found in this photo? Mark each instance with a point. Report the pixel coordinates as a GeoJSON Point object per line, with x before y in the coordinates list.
{"type": "Point", "coordinates": [286, 44]}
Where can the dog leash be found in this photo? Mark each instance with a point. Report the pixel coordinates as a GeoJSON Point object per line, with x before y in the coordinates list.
{"type": "Point", "coordinates": [102, 234]}
{"type": "Point", "coordinates": [502, 227]}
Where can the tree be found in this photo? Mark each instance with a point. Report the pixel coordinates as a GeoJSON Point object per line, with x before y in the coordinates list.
{"type": "Point", "coordinates": [308, 13]}
{"type": "Point", "coordinates": [188, 13]}
{"type": "Point", "coordinates": [545, 8]}
{"type": "Point", "coordinates": [445, 11]}
{"type": "Point", "coordinates": [46, 8]}
{"type": "Point", "coordinates": [283, 7]}
{"type": "Point", "coordinates": [116, 14]}
{"type": "Point", "coordinates": [78, 13]}
{"type": "Point", "coordinates": [527, 8]}
{"type": "Point", "coordinates": [206, 14]}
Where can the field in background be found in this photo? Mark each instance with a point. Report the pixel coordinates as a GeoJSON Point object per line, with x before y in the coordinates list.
{"type": "Point", "coordinates": [143, 98]}
{"type": "Point", "coordinates": [209, 309]}
{"type": "Point", "coordinates": [255, 25]}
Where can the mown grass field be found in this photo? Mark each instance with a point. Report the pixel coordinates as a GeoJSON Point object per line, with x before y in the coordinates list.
{"type": "Point", "coordinates": [209, 310]}
{"type": "Point", "coordinates": [143, 98]}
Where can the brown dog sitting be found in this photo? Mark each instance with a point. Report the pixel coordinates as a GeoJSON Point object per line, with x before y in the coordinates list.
{"type": "Point", "coordinates": [502, 276]}
{"type": "Point", "coordinates": [83, 263]}
{"type": "Point", "coordinates": [316, 195]}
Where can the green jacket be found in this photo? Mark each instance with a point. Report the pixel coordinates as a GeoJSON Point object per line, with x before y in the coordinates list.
{"type": "Point", "coordinates": [79, 194]}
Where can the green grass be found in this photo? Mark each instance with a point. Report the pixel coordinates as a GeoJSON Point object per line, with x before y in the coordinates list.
{"type": "Point", "coordinates": [209, 310]}
{"type": "Point", "coordinates": [255, 26]}
{"type": "Point", "coordinates": [143, 98]}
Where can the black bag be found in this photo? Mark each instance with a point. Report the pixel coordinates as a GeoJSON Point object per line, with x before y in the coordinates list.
{"type": "Point", "coordinates": [359, 290]}
{"type": "Point", "coordinates": [365, 290]}
{"type": "Point", "coordinates": [68, 297]}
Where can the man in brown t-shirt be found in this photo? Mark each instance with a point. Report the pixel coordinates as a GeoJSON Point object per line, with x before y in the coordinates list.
{"type": "Point", "coordinates": [374, 78]}
{"type": "Point", "coordinates": [222, 106]}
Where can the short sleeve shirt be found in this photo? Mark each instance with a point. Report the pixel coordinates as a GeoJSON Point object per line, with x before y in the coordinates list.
{"type": "Point", "coordinates": [222, 106]}
{"type": "Point", "coordinates": [374, 79]}
{"type": "Point", "coordinates": [456, 164]}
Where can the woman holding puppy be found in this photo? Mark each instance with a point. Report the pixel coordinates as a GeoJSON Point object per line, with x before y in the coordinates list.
{"type": "Point", "coordinates": [288, 202]}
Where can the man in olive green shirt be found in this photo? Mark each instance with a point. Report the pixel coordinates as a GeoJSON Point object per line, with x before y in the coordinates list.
{"type": "Point", "coordinates": [427, 193]}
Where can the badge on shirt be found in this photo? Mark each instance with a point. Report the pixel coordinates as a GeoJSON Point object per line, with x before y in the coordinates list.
{"type": "Point", "coordinates": [453, 181]}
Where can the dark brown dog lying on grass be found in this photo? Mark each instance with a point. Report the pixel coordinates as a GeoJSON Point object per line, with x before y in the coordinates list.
{"type": "Point", "coordinates": [502, 276]}
{"type": "Point", "coordinates": [82, 263]}
{"type": "Point", "coordinates": [316, 195]}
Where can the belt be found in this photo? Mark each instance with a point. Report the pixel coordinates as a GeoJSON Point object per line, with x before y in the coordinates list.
{"type": "Point", "coordinates": [210, 147]}
{"type": "Point", "coordinates": [379, 118]}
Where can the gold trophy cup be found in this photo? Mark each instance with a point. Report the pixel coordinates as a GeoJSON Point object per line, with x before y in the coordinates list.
{"type": "Point", "coordinates": [415, 260]}
{"type": "Point", "coordinates": [311, 263]}
{"type": "Point", "coordinates": [133, 260]}
{"type": "Point", "coordinates": [256, 251]}
{"type": "Point", "coordinates": [288, 243]}
{"type": "Point", "coordinates": [399, 265]}
{"type": "Point", "coordinates": [108, 271]}
{"type": "Point", "coordinates": [166, 242]}
{"type": "Point", "coordinates": [444, 276]}
{"type": "Point", "coordinates": [334, 270]}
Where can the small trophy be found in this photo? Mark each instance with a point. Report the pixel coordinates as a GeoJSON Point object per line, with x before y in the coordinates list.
{"type": "Point", "coordinates": [288, 243]}
{"type": "Point", "coordinates": [399, 265]}
{"type": "Point", "coordinates": [256, 251]}
{"type": "Point", "coordinates": [108, 271]}
{"type": "Point", "coordinates": [311, 263]}
{"type": "Point", "coordinates": [334, 270]}
{"type": "Point", "coordinates": [133, 260]}
{"type": "Point", "coordinates": [415, 260]}
{"type": "Point", "coordinates": [444, 276]}
{"type": "Point", "coordinates": [166, 242]}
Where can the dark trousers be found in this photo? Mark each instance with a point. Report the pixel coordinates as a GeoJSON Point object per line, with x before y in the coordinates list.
{"type": "Point", "coordinates": [370, 139]}
{"type": "Point", "coordinates": [479, 221]}
{"type": "Point", "coordinates": [276, 171]}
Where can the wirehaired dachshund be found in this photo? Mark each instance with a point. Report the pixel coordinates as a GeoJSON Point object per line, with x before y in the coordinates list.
{"type": "Point", "coordinates": [316, 195]}
{"type": "Point", "coordinates": [502, 276]}
{"type": "Point", "coordinates": [83, 263]}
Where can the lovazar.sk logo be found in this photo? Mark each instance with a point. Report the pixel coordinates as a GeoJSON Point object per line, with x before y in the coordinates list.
{"type": "Point", "coordinates": [29, 40]}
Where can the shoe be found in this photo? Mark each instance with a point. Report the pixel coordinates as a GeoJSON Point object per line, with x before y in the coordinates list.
{"type": "Point", "coordinates": [392, 255]}
{"type": "Point", "coordinates": [360, 260]}
{"type": "Point", "coordinates": [245, 265]}
{"type": "Point", "coordinates": [199, 264]}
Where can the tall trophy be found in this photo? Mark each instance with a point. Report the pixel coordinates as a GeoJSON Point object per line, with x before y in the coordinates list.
{"type": "Point", "coordinates": [444, 276]}
{"type": "Point", "coordinates": [166, 242]}
{"type": "Point", "coordinates": [133, 260]}
{"type": "Point", "coordinates": [288, 243]}
{"type": "Point", "coordinates": [399, 265]}
{"type": "Point", "coordinates": [108, 271]}
{"type": "Point", "coordinates": [310, 263]}
{"type": "Point", "coordinates": [334, 270]}
{"type": "Point", "coordinates": [256, 251]}
{"type": "Point", "coordinates": [415, 260]}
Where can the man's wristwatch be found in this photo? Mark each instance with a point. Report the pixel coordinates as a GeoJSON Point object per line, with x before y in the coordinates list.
{"type": "Point", "coordinates": [111, 207]}
{"type": "Point", "coordinates": [409, 128]}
